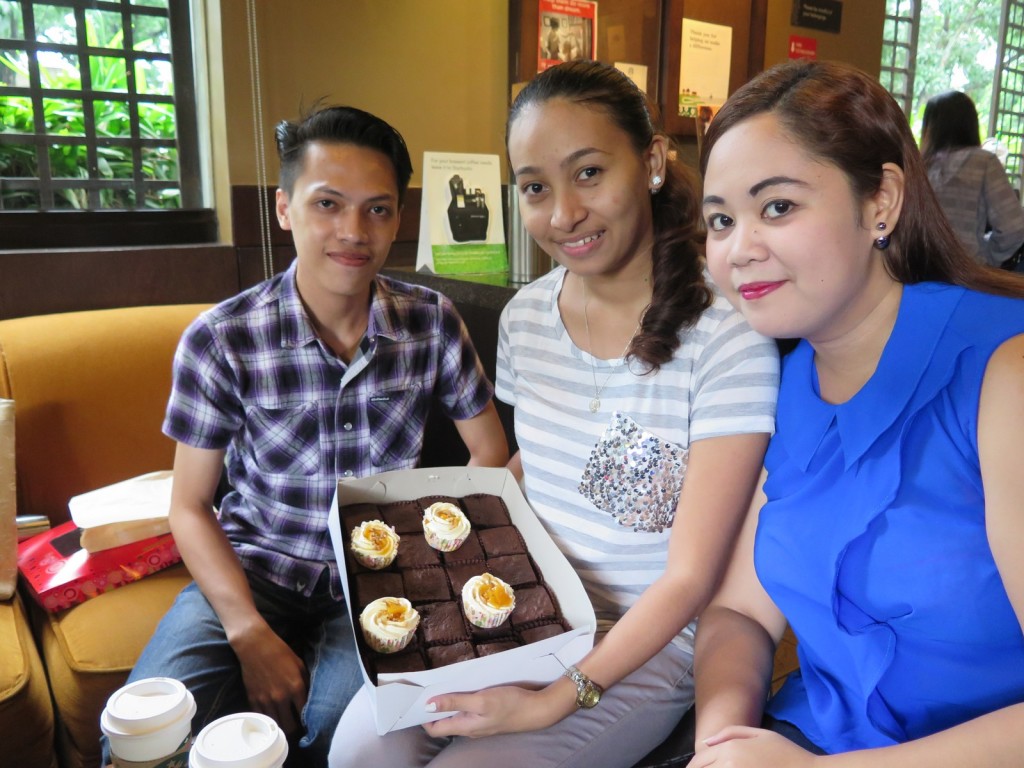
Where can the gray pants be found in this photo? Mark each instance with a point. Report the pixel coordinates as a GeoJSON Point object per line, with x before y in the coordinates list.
{"type": "Point", "coordinates": [634, 716]}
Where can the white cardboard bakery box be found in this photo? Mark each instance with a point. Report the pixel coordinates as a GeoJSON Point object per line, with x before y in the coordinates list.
{"type": "Point", "coordinates": [399, 700]}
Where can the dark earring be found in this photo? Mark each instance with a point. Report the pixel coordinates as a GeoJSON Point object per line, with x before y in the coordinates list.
{"type": "Point", "coordinates": [882, 242]}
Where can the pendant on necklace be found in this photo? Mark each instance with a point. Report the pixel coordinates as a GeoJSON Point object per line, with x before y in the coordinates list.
{"type": "Point", "coordinates": [595, 405]}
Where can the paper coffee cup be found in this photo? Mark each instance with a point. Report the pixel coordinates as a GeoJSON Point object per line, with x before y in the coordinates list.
{"type": "Point", "coordinates": [148, 723]}
{"type": "Point", "coordinates": [245, 740]}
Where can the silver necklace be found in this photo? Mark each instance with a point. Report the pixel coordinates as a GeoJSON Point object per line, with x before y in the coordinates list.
{"type": "Point", "coordinates": [595, 403]}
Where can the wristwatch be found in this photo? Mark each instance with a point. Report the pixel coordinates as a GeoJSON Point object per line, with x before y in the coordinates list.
{"type": "Point", "coordinates": [588, 693]}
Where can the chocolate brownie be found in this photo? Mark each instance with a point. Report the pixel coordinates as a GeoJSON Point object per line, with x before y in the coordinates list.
{"type": "Point", "coordinates": [542, 632]}
{"type": "Point", "coordinates": [425, 585]}
{"type": "Point", "coordinates": [403, 516]}
{"type": "Point", "coordinates": [516, 570]}
{"type": "Point", "coordinates": [414, 552]}
{"type": "Point", "coordinates": [505, 540]}
{"type": "Point", "coordinates": [533, 604]}
{"type": "Point", "coordinates": [470, 550]}
{"type": "Point", "coordinates": [458, 575]}
{"type": "Point", "coordinates": [487, 649]}
{"type": "Point", "coordinates": [374, 585]}
{"type": "Point", "coordinates": [354, 514]}
{"type": "Point", "coordinates": [388, 663]}
{"type": "Point", "coordinates": [442, 623]}
{"type": "Point", "coordinates": [443, 655]}
{"type": "Point", "coordinates": [485, 510]}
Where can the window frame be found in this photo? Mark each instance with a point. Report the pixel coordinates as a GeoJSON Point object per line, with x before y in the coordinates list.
{"type": "Point", "coordinates": [95, 226]}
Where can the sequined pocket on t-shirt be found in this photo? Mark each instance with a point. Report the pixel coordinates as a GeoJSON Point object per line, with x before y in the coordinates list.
{"type": "Point", "coordinates": [634, 476]}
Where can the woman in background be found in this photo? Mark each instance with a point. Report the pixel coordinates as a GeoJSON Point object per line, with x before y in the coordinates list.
{"type": "Point", "coordinates": [889, 530]}
{"type": "Point", "coordinates": [969, 181]}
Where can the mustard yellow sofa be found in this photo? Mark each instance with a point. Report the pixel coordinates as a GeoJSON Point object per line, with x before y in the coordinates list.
{"type": "Point", "coordinates": [89, 391]}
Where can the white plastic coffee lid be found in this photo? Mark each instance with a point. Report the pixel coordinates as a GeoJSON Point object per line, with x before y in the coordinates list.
{"type": "Point", "coordinates": [147, 705]}
{"type": "Point", "coordinates": [244, 740]}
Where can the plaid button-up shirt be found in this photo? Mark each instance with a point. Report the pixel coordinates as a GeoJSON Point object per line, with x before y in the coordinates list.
{"type": "Point", "coordinates": [251, 376]}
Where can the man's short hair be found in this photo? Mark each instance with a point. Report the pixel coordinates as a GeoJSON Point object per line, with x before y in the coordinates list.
{"type": "Point", "coordinates": [340, 125]}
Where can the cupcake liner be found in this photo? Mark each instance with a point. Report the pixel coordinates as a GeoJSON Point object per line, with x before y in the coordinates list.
{"type": "Point", "coordinates": [486, 620]}
{"type": "Point", "coordinates": [373, 561]}
{"type": "Point", "coordinates": [444, 544]}
{"type": "Point", "coordinates": [388, 644]}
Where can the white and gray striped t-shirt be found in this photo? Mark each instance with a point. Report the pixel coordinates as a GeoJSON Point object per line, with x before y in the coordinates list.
{"type": "Point", "coordinates": [723, 380]}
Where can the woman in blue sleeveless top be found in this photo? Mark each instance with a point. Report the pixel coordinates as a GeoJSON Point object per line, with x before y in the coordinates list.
{"type": "Point", "coordinates": [889, 529]}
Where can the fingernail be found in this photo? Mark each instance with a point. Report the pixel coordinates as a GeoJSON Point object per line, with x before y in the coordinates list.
{"type": "Point", "coordinates": [431, 707]}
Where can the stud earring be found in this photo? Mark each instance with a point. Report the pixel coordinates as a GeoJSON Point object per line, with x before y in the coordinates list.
{"type": "Point", "coordinates": [656, 184]}
{"type": "Point", "coordinates": [880, 226]}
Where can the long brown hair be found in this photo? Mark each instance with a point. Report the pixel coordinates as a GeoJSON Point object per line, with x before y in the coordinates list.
{"type": "Point", "coordinates": [843, 117]}
{"type": "Point", "coordinates": [678, 292]}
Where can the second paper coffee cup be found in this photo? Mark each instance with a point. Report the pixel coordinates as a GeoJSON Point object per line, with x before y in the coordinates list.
{"type": "Point", "coordinates": [244, 740]}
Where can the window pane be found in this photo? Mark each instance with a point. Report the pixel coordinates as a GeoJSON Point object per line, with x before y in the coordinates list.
{"type": "Point", "coordinates": [151, 33]}
{"type": "Point", "coordinates": [11, 24]}
{"type": "Point", "coordinates": [109, 73]}
{"type": "Point", "coordinates": [18, 199]}
{"type": "Point", "coordinates": [115, 162]}
{"type": "Point", "coordinates": [70, 198]}
{"type": "Point", "coordinates": [154, 77]}
{"type": "Point", "coordinates": [57, 70]}
{"type": "Point", "coordinates": [160, 163]}
{"type": "Point", "coordinates": [16, 115]}
{"type": "Point", "coordinates": [19, 160]}
{"type": "Point", "coordinates": [112, 118]}
{"type": "Point", "coordinates": [54, 24]}
{"type": "Point", "coordinates": [156, 121]}
{"type": "Point", "coordinates": [68, 161]}
{"type": "Point", "coordinates": [14, 68]}
{"type": "Point", "coordinates": [117, 198]}
{"type": "Point", "coordinates": [103, 29]}
{"type": "Point", "coordinates": [163, 198]}
{"type": "Point", "coordinates": [151, 3]}
{"type": "Point", "coordinates": [64, 117]}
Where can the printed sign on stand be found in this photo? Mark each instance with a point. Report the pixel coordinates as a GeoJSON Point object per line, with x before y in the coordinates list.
{"type": "Point", "coordinates": [462, 227]}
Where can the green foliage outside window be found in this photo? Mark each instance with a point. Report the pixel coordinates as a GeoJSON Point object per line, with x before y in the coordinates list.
{"type": "Point", "coordinates": [63, 118]}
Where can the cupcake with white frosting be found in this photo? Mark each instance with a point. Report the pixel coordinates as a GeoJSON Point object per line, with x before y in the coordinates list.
{"type": "Point", "coordinates": [487, 601]}
{"type": "Point", "coordinates": [445, 526]}
{"type": "Point", "coordinates": [389, 623]}
{"type": "Point", "coordinates": [374, 544]}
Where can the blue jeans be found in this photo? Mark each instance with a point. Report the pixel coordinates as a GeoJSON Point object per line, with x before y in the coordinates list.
{"type": "Point", "coordinates": [190, 645]}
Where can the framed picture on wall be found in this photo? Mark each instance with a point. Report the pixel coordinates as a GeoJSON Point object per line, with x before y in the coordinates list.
{"type": "Point", "coordinates": [567, 31]}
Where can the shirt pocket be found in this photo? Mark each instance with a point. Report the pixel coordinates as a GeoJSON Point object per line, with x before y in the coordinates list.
{"type": "Point", "coordinates": [285, 441]}
{"type": "Point", "coordinates": [397, 418]}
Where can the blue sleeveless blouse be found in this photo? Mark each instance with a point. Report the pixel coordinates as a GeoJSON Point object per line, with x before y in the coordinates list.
{"type": "Point", "coordinates": [873, 542]}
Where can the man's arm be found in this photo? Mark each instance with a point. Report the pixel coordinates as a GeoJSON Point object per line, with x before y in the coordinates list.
{"type": "Point", "coordinates": [275, 678]}
{"type": "Point", "coordinates": [484, 436]}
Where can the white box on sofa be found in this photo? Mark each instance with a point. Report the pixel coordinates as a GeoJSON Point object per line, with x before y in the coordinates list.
{"type": "Point", "coordinates": [399, 699]}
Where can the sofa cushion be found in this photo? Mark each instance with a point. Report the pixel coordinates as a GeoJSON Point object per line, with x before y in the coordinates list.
{"type": "Point", "coordinates": [26, 715]}
{"type": "Point", "coordinates": [91, 389]}
{"type": "Point", "coordinates": [90, 648]}
{"type": "Point", "coordinates": [8, 503]}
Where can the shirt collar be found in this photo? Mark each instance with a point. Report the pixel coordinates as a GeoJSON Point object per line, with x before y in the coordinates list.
{"type": "Point", "coordinates": [297, 330]}
{"type": "Point", "coordinates": [902, 374]}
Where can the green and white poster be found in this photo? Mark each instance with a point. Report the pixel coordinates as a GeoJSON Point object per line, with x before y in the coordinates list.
{"type": "Point", "coordinates": [462, 228]}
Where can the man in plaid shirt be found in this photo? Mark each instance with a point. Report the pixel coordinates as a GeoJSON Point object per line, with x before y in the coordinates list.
{"type": "Point", "coordinates": [325, 371]}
